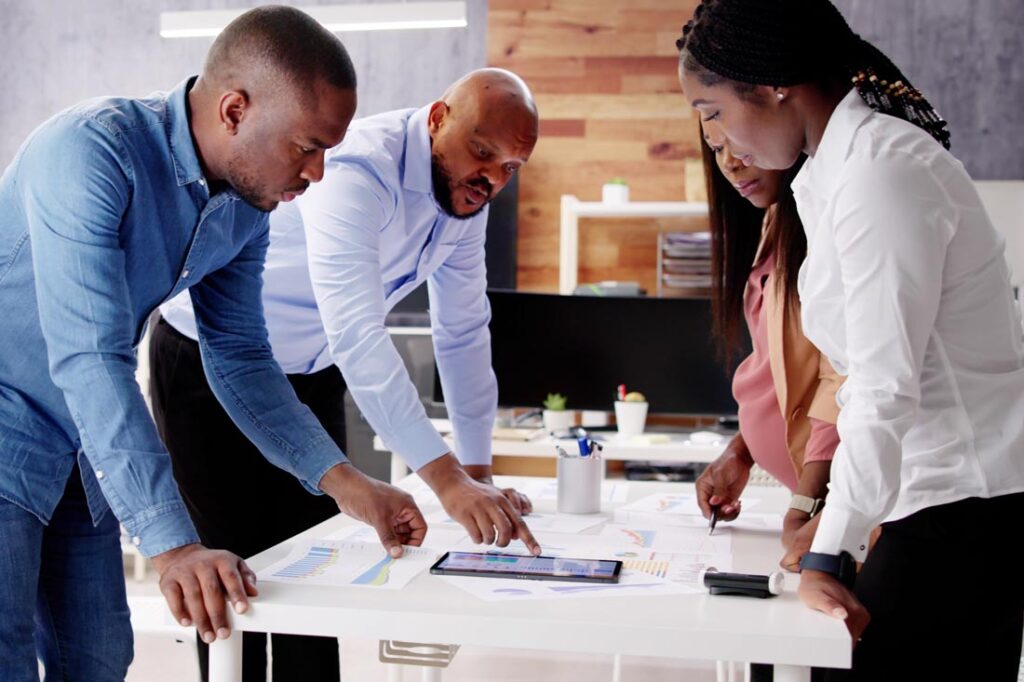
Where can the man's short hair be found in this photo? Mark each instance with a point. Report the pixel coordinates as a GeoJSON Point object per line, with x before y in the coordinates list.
{"type": "Point", "coordinates": [276, 43]}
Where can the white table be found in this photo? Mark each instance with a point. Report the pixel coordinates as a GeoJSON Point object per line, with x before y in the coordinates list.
{"type": "Point", "coordinates": [679, 448]}
{"type": "Point", "coordinates": [780, 630]}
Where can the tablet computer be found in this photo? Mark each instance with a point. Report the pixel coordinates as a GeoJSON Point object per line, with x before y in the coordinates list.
{"type": "Point", "coordinates": [494, 565]}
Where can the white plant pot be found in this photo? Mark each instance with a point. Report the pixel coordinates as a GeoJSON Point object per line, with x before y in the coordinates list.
{"type": "Point", "coordinates": [559, 420]}
{"type": "Point", "coordinates": [612, 193]}
{"type": "Point", "coordinates": [630, 418]}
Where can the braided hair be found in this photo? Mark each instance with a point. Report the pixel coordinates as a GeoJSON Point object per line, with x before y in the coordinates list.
{"type": "Point", "coordinates": [789, 42]}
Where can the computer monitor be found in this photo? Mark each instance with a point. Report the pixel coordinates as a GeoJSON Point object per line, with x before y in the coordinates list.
{"type": "Point", "coordinates": [585, 346]}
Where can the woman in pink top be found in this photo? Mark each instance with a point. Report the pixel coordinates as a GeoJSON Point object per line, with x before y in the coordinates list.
{"type": "Point", "coordinates": [784, 388]}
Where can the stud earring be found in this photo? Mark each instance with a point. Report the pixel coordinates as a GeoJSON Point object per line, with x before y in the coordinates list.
{"type": "Point", "coordinates": [780, 95]}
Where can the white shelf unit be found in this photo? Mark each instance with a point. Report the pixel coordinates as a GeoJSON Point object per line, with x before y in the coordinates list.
{"type": "Point", "coordinates": [573, 209]}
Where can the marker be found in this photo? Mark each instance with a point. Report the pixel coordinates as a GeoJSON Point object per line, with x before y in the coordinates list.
{"type": "Point", "coordinates": [584, 444]}
{"type": "Point", "coordinates": [741, 584]}
{"type": "Point", "coordinates": [714, 519]}
{"type": "Point", "coordinates": [622, 392]}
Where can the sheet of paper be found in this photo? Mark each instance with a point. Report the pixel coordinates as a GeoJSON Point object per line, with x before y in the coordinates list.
{"type": "Point", "coordinates": [748, 521]}
{"type": "Point", "coordinates": [537, 521]}
{"type": "Point", "coordinates": [667, 539]}
{"type": "Point", "coordinates": [348, 563]}
{"type": "Point", "coordinates": [671, 509]}
{"type": "Point", "coordinates": [552, 544]}
{"type": "Point", "coordinates": [631, 584]}
{"type": "Point", "coordinates": [439, 538]}
{"type": "Point", "coordinates": [614, 492]}
{"type": "Point", "coordinates": [766, 523]}
{"type": "Point", "coordinates": [674, 566]}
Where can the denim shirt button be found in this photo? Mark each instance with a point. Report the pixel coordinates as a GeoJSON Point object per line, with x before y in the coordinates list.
{"type": "Point", "coordinates": [184, 274]}
{"type": "Point", "coordinates": [136, 541]}
{"type": "Point", "coordinates": [99, 474]}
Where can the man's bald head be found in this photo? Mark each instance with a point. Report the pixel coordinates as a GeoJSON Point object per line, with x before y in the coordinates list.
{"type": "Point", "coordinates": [483, 129]}
{"type": "Point", "coordinates": [278, 50]}
{"type": "Point", "coordinates": [493, 92]}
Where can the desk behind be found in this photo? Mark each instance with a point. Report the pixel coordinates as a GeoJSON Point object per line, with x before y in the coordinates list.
{"type": "Point", "coordinates": [679, 448]}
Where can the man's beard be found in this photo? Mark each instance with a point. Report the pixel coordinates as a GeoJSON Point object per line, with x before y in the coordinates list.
{"type": "Point", "coordinates": [443, 189]}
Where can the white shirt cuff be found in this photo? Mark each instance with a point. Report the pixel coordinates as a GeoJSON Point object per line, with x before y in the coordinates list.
{"type": "Point", "coordinates": [841, 529]}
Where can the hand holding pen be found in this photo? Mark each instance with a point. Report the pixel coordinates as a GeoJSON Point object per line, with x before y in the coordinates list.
{"type": "Point", "coordinates": [720, 485]}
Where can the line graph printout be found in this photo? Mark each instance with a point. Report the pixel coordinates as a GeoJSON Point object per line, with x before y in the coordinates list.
{"type": "Point", "coordinates": [666, 539]}
{"type": "Point", "coordinates": [348, 564]}
{"type": "Point", "coordinates": [669, 509]}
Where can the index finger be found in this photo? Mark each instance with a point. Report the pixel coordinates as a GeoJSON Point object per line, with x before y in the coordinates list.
{"type": "Point", "coordinates": [522, 532]}
{"type": "Point", "coordinates": [704, 491]}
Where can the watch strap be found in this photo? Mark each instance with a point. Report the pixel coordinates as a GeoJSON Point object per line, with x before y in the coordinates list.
{"type": "Point", "coordinates": [808, 505]}
{"type": "Point", "coordinates": [841, 565]}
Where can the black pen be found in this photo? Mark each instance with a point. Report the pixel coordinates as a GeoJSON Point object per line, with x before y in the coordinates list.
{"type": "Point", "coordinates": [714, 519]}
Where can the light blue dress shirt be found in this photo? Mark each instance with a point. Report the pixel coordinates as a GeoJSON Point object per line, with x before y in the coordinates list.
{"type": "Point", "coordinates": [346, 252]}
{"type": "Point", "coordinates": [105, 214]}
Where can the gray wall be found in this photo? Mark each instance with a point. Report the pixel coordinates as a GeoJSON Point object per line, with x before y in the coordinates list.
{"type": "Point", "coordinates": [57, 52]}
{"type": "Point", "coordinates": [967, 57]}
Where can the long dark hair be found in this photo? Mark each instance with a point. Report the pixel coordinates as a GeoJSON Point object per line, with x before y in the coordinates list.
{"type": "Point", "coordinates": [736, 231]}
{"type": "Point", "coordinates": [785, 42]}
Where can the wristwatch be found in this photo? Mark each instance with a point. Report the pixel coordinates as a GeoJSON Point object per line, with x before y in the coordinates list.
{"type": "Point", "coordinates": [842, 566]}
{"type": "Point", "coordinates": [806, 504]}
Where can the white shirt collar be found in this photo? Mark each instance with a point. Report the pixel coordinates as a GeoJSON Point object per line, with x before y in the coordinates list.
{"type": "Point", "coordinates": [821, 172]}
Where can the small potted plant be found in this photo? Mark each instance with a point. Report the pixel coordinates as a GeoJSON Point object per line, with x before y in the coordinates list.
{"type": "Point", "coordinates": [630, 412]}
{"type": "Point", "coordinates": [615, 191]}
{"type": "Point", "coordinates": [556, 417]}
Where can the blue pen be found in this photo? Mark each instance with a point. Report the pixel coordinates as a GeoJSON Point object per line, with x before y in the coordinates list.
{"type": "Point", "coordinates": [584, 446]}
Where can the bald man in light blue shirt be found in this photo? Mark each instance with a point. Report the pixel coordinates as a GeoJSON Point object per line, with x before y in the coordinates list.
{"type": "Point", "coordinates": [404, 200]}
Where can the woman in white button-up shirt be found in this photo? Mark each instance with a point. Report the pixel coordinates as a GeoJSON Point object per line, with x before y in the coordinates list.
{"type": "Point", "coordinates": [906, 290]}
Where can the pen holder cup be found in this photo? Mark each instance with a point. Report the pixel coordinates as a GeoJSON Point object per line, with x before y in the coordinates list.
{"type": "Point", "coordinates": [579, 485]}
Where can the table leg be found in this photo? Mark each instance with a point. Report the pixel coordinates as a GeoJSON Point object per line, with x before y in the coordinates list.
{"type": "Point", "coordinates": [226, 659]}
{"type": "Point", "coordinates": [431, 674]}
{"type": "Point", "coordinates": [792, 673]}
{"type": "Point", "coordinates": [617, 668]}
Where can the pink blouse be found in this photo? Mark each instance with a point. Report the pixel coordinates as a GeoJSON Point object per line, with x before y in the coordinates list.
{"type": "Point", "coordinates": [761, 422]}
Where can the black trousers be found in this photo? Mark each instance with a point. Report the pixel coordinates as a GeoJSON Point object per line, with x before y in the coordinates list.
{"type": "Point", "coordinates": [945, 591]}
{"type": "Point", "coordinates": [237, 499]}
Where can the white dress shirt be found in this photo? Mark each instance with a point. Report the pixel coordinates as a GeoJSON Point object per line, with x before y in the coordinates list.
{"type": "Point", "coordinates": [906, 290]}
{"type": "Point", "coordinates": [345, 252]}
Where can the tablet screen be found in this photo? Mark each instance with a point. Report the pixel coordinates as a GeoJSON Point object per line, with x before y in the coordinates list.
{"type": "Point", "coordinates": [517, 566]}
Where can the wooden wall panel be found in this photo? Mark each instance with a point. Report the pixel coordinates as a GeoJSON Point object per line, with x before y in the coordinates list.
{"type": "Point", "coordinates": [604, 76]}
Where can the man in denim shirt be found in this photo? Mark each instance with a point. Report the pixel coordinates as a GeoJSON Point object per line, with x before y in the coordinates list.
{"type": "Point", "coordinates": [110, 208]}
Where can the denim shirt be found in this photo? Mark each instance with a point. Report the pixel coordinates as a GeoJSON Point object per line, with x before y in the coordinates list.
{"type": "Point", "coordinates": [105, 214]}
